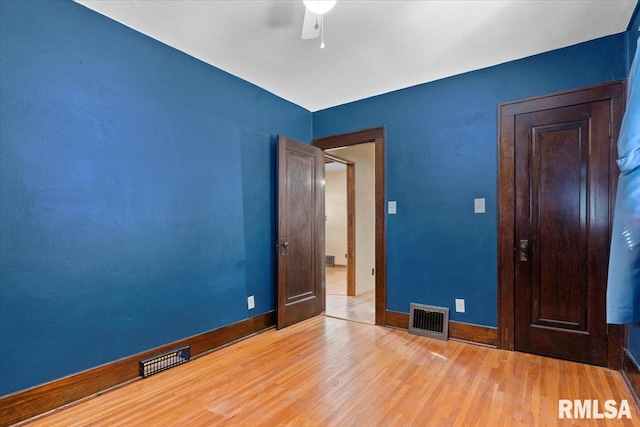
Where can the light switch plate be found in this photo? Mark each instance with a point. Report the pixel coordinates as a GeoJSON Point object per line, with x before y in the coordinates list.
{"type": "Point", "coordinates": [479, 206]}
{"type": "Point", "coordinates": [392, 208]}
{"type": "Point", "coordinates": [459, 305]}
{"type": "Point", "coordinates": [251, 302]}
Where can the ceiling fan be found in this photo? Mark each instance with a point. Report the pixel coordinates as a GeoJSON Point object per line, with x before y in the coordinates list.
{"type": "Point", "coordinates": [313, 18]}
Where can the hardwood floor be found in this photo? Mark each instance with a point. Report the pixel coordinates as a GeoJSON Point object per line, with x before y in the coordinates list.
{"type": "Point", "coordinates": [336, 279]}
{"type": "Point", "coordinates": [360, 308]}
{"type": "Point", "coordinates": [331, 372]}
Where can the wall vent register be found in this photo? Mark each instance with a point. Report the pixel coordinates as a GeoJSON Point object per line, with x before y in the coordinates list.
{"type": "Point", "coordinates": [165, 361]}
{"type": "Point", "coordinates": [429, 321]}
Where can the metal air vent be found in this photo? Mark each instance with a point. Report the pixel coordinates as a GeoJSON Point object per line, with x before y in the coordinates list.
{"type": "Point", "coordinates": [429, 321]}
{"type": "Point", "coordinates": [164, 361]}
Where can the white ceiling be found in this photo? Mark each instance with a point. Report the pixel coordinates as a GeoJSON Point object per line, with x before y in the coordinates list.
{"type": "Point", "coordinates": [372, 47]}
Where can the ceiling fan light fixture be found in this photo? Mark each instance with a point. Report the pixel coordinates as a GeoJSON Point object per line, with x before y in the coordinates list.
{"type": "Point", "coordinates": [319, 7]}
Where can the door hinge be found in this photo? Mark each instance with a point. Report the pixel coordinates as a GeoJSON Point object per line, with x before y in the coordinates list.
{"type": "Point", "coordinates": [609, 128]}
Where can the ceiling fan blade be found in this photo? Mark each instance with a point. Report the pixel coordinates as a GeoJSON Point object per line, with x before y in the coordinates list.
{"type": "Point", "coordinates": [308, 26]}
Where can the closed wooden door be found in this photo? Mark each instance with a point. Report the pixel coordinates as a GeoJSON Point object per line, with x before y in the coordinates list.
{"type": "Point", "coordinates": [301, 257]}
{"type": "Point", "coordinates": [562, 230]}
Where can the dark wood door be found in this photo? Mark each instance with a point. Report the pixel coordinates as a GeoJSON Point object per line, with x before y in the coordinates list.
{"type": "Point", "coordinates": [301, 258]}
{"type": "Point", "coordinates": [562, 229]}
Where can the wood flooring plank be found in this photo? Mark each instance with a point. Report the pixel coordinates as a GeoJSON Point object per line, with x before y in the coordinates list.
{"type": "Point", "coordinates": [331, 372]}
{"type": "Point", "coordinates": [359, 308]}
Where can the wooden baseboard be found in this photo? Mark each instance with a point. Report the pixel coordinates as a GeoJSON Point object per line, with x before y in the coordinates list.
{"type": "Point", "coordinates": [457, 330]}
{"type": "Point", "coordinates": [397, 319]}
{"type": "Point", "coordinates": [25, 404]}
{"type": "Point", "coordinates": [631, 374]}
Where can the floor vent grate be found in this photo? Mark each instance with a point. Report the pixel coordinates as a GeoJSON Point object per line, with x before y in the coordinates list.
{"type": "Point", "coordinates": [164, 361]}
{"type": "Point", "coordinates": [429, 321]}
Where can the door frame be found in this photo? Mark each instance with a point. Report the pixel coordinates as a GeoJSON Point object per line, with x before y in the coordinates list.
{"type": "Point", "coordinates": [615, 92]}
{"type": "Point", "coordinates": [351, 220]}
{"type": "Point", "coordinates": [377, 136]}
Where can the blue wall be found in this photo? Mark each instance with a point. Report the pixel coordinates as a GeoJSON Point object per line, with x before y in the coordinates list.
{"type": "Point", "coordinates": [441, 153]}
{"type": "Point", "coordinates": [633, 32]}
{"type": "Point", "coordinates": [137, 192]}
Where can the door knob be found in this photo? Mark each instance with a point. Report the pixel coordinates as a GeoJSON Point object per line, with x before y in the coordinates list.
{"type": "Point", "coordinates": [524, 250]}
{"type": "Point", "coordinates": [283, 246]}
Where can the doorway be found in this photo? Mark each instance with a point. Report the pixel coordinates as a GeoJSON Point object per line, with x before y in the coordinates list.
{"type": "Point", "coordinates": [340, 222]}
{"type": "Point", "coordinates": [375, 136]}
{"type": "Point", "coordinates": [350, 232]}
{"type": "Point", "coordinates": [556, 175]}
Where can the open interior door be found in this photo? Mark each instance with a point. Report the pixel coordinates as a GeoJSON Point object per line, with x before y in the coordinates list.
{"type": "Point", "coordinates": [301, 258]}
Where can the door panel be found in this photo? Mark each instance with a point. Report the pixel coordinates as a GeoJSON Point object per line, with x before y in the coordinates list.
{"type": "Point", "coordinates": [562, 211]}
{"type": "Point", "coordinates": [559, 224]}
{"type": "Point", "coordinates": [301, 232]}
